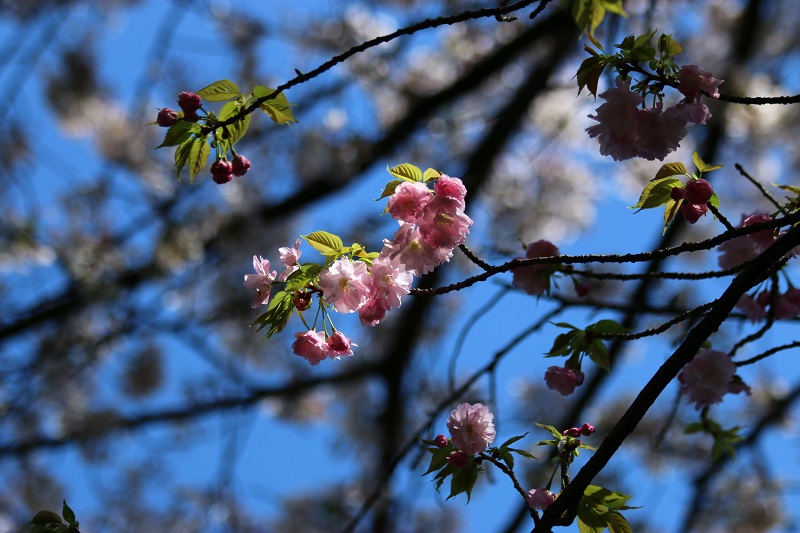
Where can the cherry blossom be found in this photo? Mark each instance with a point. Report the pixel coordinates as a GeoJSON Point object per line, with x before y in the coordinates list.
{"type": "Point", "coordinates": [339, 345]}
{"type": "Point", "coordinates": [693, 82]}
{"type": "Point", "coordinates": [742, 249]}
{"type": "Point", "coordinates": [345, 284]}
{"type": "Point", "coordinates": [539, 499]}
{"type": "Point", "coordinates": [311, 346]}
{"type": "Point", "coordinates": [471, 428]}
{"type": "Point", "coordinates": [443, 223]}
{"type": "Point", "coordinates": [290, 258]}
{"type": "Point", "coordinates": [618, 122]}
{"type": "Point", "coordinates": [535, 279]}
{"type": "Point", "coordinates": [372, 312]}
{"type": "Point", "coordinates": [261, 281]}
{"type": "Point", "coordinates": [390, 281]}
{"type": "Point", "coordinates": [560, 379]}
{"type": "Point", "coordinates": [408, 201]}
{"type": "Point", "coordinates": [408, 248]}
{"type": "Point", "coordinates": [706, 378]}
{"type": "Point", "coordinates": [659, 133]}
{"type": "Point", "coordinates": [452, 188]}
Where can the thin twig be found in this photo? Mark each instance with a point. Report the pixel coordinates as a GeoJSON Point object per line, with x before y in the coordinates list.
{"type": "Point", "coordinates": [721, 218]}
{"type": "Point", "coordinates": [760, 187]}
{"type": "Point", "coordinates": [771, 351]}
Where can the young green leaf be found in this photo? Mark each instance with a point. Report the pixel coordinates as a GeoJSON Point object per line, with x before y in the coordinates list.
{"type": "Point", "coordinates": [278, 312]}
{"type": "Point", "coordinates": [198, 156]}
{"type": "Point", "coordinates": [182, 155]}
{"type": "Point", "coordinates": [608, 326]}
{"type": "Point", "coordinates": [326, 243]}
{"type": "Point", "coordinates": [656, 193]}
{"type": "Point", "coordinates": [430, 174]}
{"type": "Point", "coordinates": [670, 210]}
{"type": "Point", "coordinates": [463, 481]}
{"type": "Point", "coordinates": [389, 189]}
{"type": "Point", "coordinates": [589, 73]}
{"type": "Point", "coordinates": [68, 514]}
{"type": "Point", "coordinates": [178, 133]}
{"type": "Point", "coordinates": [670, 169]}
{"type": "Point", "coordinates": [406, 172]}
{"type": "Point", "coordinates": [279, 109]}
{"type": "Point", "coordinates": [219, 91]}
{"type": "Point", "coordinates": [232, 133]}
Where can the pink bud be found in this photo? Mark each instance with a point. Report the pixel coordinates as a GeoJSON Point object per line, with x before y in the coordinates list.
{"type": "Point", "coordinates": [458, 459]}
{"type": "Point", "coordinates": [222, 172]}
{"type": "Point", "coordinates": [693, 212]}
{"type": "Point", "coordinates": [166, 117]}
{"type": "Point", "coordinates": [240, 165]}
{"type": "Point", "coordinates": [587, 429]}
{"type": "Point", "coordinates": [189, 102]}
{"type": "Point", "coordinates": [571, 432]}
{"type": "Point", "coordinates": [302, 301]}
{"type": "Point", "coordinates": [440, 441]}
{"type": "Point", "coordinates": [698, 192]}
{"type": "Point", "coordinates": [579, 377]}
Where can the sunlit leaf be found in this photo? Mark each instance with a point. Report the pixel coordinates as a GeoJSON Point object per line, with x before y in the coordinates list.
{"type": "Point", "coordinates": [219, 91]}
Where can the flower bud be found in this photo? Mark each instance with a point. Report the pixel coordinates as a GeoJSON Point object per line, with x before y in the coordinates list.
{"type": "Point", "coordinates": [587, 429]}
{"type": "Point", "coordinates": [302, 301]}
{"type": "Point", "coordinates": [240, 165]}
{"type": "Point", "coordinates": [698, 192]}
{"type": "Point", "coordinates": [579, 377]}
{"type": "Point", "coordinates": [189, 102]}
{"type": "Point", "coordinates": [571, 432]}
{"type": "Point", "coordinates": [458, 459]}
{"type": "Point", "coordinates": [677, 193]}
{"type": "Point", "coordinates": [222, 171]}
{"type": "Point", "coordinates": [166, 117]}
{"type": "Point", "coordinates": [440, 441]}
{"type": "Point", "coordinates": [693, 212]}
{"type": "Point", "coordinates": [192, 116]}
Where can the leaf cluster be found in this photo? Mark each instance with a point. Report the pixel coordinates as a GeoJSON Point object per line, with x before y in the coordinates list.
{"type": "Point", "coordinates": [658, 191]}
{"type": "Point", "coordinates": [50, 522]}
{"type": "Point", "coordinates": [724, 439]}
{"type": "Point", "coordinates": [406, 172]}
{"type": "Point", "coordinates": [599, 509]}
{"type": "Point", "coordinates": [576, 343]}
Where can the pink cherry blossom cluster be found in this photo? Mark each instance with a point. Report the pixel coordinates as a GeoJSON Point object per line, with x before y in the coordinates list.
{"type": "Point", "coordinates": [586, 429]}
{"type": "Point", "coordinates": [787, 305]}
{"type": "Point", "coordinates": [695, 196]}
{"type": "Point", "coordinates": [539, 499]}
{"type": "Point", "coordinates": [626, 129]}
{"type": "Point", "coordinates": [432, 224]}
{"type": "Point", "coordinates": [563, 379]}
{"type": "Point", "coordinates": [708, 377]}
{"type": "Point", "coordinates": [535, 279]}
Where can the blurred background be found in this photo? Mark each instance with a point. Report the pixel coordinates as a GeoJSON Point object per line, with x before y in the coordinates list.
{"type": "Point", "coordinates": [130, 382]}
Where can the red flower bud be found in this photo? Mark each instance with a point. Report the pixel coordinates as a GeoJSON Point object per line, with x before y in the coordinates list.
{"type": "Point", "coordinates": [440, 441]}
{"type": "Point", "coordinates": [579, 377]}
{"type": "Point", "coordinates": [677, 193]}
{"type": "Point", "coordinates": [189, 102]}
{"type": "Point", "coordinates": [587, 429]}
{"type": "Point", "coordinates": [698, 192]}
{"type": "Point", "coordinates": [222, 172]}
{"type": "Point", "coordinates": [693, 212]}
{"type": "Point", "coordinates": [458, 459]}
{"type": "Point", "coordinates": [302, 301]}
{"type": "Point", "coordinates": [166, 117]}
{"type": "Point", "coordinates": [240, 165]}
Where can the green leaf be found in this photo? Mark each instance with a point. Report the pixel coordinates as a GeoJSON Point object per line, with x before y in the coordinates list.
{"type": "Point", "coordinates": [598, 353]}
{"type": "Point", "coordinates": [591, 517]}
{"type": "Point", "coordinates": [389, 189]}
{"type": "Point", "coordinates": [617, 523]}
{"type": "Point", "coordinates": [594, 41]}
{"type": "Point", "coordinates": [788, 188]}
{"type": "Point", "coordinates": [232, 133]}
{"type": "Point", "coordinates": [439, 459]}
{"type": "Point", "coordinates": [178, 133]}
{"type": "Point", "coordinates": [512, 440]}
{"type": "Point", "coordinates": [589, 73]}
{"type": "Point", "coordinates": [219, 91]}
{"type": "Point", "coordinates": [430, 174]}
{"type": "Point", "coordinates": [615, 6]}
{"type": "Point", "coordinates": [326, 243]}
{"type": "Point", "coordinates": [182, 155]}
{"type": "Point", "coordinates": [608, 498]}
{"type": "Point", "coordinates": [562, 345]}
{"type": "Point", "coordinates": [406, 172]}
{"type": "Point", "coordinates": [670, 169]}
{"type": "Point", "coordinates": [669, 46]}
{"type": "Point", "coordinates": [714, 200]}
{"type": "Point", "coordinates": [698, 162]}
{"type": "Point", "coordinates": [656, 193]}
{"type": "Point", "coordinates": [463, 481]}
{"type": "Point", "coordinates": [556, 433]}
{"type": "Point", "coordinates": [278, 312]}
{"type": "Point", "coordinates": [563, 325]}
{"type": "Point", "coordinates": [694, 427]}
{"type": "Point", "coordinates": [68, 514]}
{"type": "Point", "coordinates": [301, 278]}
{"type": "Point", "coordinates": [198, 156]}
{"type": "Point", "coordinates": [523, 453]}
{"type": "Point", "coordinates": [505, 455]}
{"type": "Point", "coordinates": [608, 326]}
{"type": "Point", "coordinates": [670, 211]}
{"type": "Point", "coordinates": [43, 518]}
{"type": "Point", "coordinates": [279, 109]}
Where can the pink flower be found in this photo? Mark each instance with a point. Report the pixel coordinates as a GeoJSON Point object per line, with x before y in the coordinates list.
{"type": "Point", "coordinates": [240, 165]}
{"type": "Point", "coordinates": [539, 499]}
{"type": "Point", "coordinates": [222, 172]}
{"type": "Point", "coordinates": [339, 345]}
{"type": "Point", "coordinates": [560, 379]}
{"type": "Point", "coordinates": [705, 378]}
{"type": "Point", "coordinates": [695, 112]}
{"type": "Point", "coordinates": [693, 212]}
{"type": "Point", "coordinates": [742, 249]}
{"type": "Point", "coordinates": [694, 82]}
{"type": "Point", "coordinates": [788, 305]}
{"type": "Point", "coordinates": [471, 428]}
{"type": "Point", "coordinates": [451, 188]}
{"type": "Point", "coordinates": [408, 201]}
{"type": "Point", "coordinates": [535, 279]}
{"type": "Point", "coordinates": [261, 281]}
{"type": "Point", "coordinates": [390, 281]}
{"type": "Point", "coordinates": [311, 346]}
{"type": "Point", "coordinates": [409, 249]}
{"type": "Point", "coordinates": [737, 386]}
{"type": "Point", "coordinates": [345, 284]}
{"type": "Point", "coordinates": [372, 312]}
{"type": "Point", "coordinates": [189, 102]}
{"type": "Point", "coordinates": [618, 122]}
{"type": "Point", "coordinates": [443, 223]}
{"type": "Point", "coordinates": [290, 258]}
{"type": "Point", "coordinates": [659, 133]}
